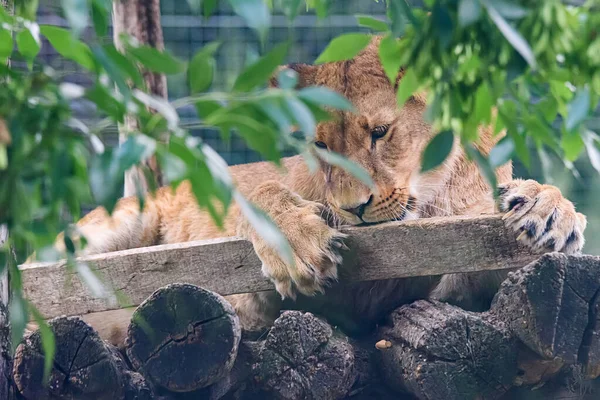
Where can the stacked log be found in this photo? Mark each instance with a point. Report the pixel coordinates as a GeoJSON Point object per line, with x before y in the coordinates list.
{"type": "Point", "coordinates": [184, 343]}
{"type": "Point", "coordinates": [183, 338]}
{"type": "Point", "coordinates": [543, 318]}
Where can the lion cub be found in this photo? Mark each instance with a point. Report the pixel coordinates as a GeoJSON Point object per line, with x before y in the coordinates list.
{"type": "Point", "coordinates": [388, 142]}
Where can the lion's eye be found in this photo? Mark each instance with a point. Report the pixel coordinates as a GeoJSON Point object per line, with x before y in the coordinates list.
{"type": "Point", "coordinates": [379, 131]}
{"type": "Point", "coordinates": [321, 145]}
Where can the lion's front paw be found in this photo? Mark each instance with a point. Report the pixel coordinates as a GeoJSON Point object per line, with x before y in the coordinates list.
{"type": "Point", "coordinates": [543, 218]}
{"type": "Point", "coordinates": [315, 248]}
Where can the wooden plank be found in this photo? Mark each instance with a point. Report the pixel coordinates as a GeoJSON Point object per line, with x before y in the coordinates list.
{"type": "Point", "coordinates": [228, 266]}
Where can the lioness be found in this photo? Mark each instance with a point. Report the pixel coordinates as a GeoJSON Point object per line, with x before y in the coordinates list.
{"type": "Point", "coordinates": [388, 142]}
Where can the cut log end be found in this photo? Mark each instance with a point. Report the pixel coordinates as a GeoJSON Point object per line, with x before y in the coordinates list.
{"type": "Point", "coordinates": [183, 338]}
{"type": "Point", "coordinates": [439, 351]}
{"type": "Point", "coordinates": [552, 306]}
{"type": "Point", "coordinates": [84, 366]}
{"type": "Point", "coordinates": [303, 358]}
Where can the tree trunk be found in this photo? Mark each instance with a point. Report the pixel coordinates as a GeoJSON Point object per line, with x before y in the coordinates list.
{"type": "Point", "coordinates": [140, 19]}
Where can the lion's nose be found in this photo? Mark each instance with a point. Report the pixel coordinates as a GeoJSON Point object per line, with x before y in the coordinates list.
{"type": "Point", "coordinates": [360, 209]}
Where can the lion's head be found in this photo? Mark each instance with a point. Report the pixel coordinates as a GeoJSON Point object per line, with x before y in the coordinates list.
{"type": "Point", "coordinates": [385, 140]}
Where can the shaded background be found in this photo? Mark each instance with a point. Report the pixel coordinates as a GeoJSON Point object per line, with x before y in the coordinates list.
{"type": "Point", "coordinates": [184, 33]}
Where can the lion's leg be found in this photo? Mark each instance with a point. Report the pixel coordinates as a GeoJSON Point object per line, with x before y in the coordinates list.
{"type": "Point", "coordinates": [126, 228]}
{"type": "Point", "coordinates": [257, 311]}
{"type": "Point", "coordinates": [313, 245]}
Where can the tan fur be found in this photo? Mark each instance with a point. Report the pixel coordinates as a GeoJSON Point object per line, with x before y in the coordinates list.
{"type": "Point", "coordinates": [295, 199]}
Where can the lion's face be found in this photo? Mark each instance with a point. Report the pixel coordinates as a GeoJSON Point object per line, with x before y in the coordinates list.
{"type": "Point", "coordinates": [385, 140]}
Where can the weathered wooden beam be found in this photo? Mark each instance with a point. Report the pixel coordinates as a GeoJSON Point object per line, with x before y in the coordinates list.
{"type": "Point", "coordinates": [228, 266]}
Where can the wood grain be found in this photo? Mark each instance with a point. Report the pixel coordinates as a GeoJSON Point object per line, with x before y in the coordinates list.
{"type": "Point", "coordinates": [228, 266]}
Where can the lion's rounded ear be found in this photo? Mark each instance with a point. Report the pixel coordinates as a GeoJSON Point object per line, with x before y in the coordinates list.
{"type": "Point", "coordinates": [306, 74]}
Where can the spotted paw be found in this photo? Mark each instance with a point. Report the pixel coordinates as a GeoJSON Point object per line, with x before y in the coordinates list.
{"type": "Point", "coordinates": [542, 218]}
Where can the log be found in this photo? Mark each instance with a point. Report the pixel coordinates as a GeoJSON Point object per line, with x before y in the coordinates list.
{"type": "Point", "coordinates": [84, 366]}
{"type": "Point", "coordinates": [304, 358]}
{"type": "Point", "coordinates": [569, 384]}
{"type": "Point", "coordinates": [183, 338]}
{"type": "Point", "coordinates": [238, 383]}
{"type": "Point", "coordinates": [552, 305]}
{"type": "Point", "coordinates": [228, 266]}
{"type": "Point", "coordinates": [135, 386]}
{"type": "Point", "coordinates": [439, 351]}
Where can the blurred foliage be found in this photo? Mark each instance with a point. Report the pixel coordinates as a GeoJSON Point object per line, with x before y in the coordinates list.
{"type": "Point", "coordinates": [536, 63]}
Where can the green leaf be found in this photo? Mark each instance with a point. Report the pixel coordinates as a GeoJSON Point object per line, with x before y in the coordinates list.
{"type": "Point", "coordinates": [204, 108]}
{"type": "Point", "coordinates": [344, 47]}
{"type": "Point", "coordinates": [520, 148]}
{"type": "Point", "coordinates": [469, 12]}
{"type": "Point", "coordinates": [18, 313]}
{"type": "Point", "coordinates": [209, 7]}
{"type": "Point", "coordinates": [112, 70]}
{"type": "Point", "coordinates": [437, 150]}
{"type": "Point", "coordinates": [502, 152]}
{"type": "Point", "coordinates": [28, 43]}
{"type": "Point", "coordinates": [48, 341]}
{"type": "Point", "coordinates": [510, 9]}
{"type": "Point", "coordinates": [125, 65]}
{"type": "Point", "coordinates": [6, 44]}
{"type": "Point", "coordinates": [443, 23]}
{"type": "Point", "coordinates": [256, 13]}
{"type": "Point", "coordinates": [259, 72]}
{"type": "Point", "coordinates": [67, 46]}
{"type": "Point", "coordinates": [319, 5]}
{"type": "Point", "coordinates": [100, 12]}
{"type": "Point", "coordinates": [161, 105]}
{"type": "Point", "coordinates": [511, 34]}
{"type": "Point", "coordinates": [26, 9]}
{"type": "Point", "coordinates": [201, 68]}
{"type": "Point", "coordinates": [390, 55]}
{"type": "Point", "coordinates": [591, 145]}
{"type": "Point", "coordinates": [89, 278]}
{"type": "Point", "coordinates": [406, 88]}
{"type": "Point", "coordinates": [107, 171]}
{"type": "Point", "coordinates": [258, 136]}
{"type": "Point", "coordinates": [323, 96]}
{"type": "Point", "coordinates": [275, 109]}
{"type": "Point", "coordinates": [372, 23]}
{"type": "Point", "coordinates": [175, 169]}
{"type": "Point", "coordinates": [106, 102]}
{"type": "Point", "coordinates": [578, 109]}
{"type": "Point", "coordinates": [353, 168]}
{"type": "Point", "coordinates": [77, 14]}
{"type": "Point", "coordinates": [483, 104]}
{"type": "Point", "coordinates": [156, 61]}
{"type": "Point", "coordinates": [302, 115]}
{"type": "Point", "coordinates": [572, 145]}
{"type": "Point", "coordinates": [401, 14]}
{"type": "Point", "coordinates": [266, 229]}
{"type": "Point", "coordinates": [287, 78]}
{"type": "Point", "coordinates": [291, 8]}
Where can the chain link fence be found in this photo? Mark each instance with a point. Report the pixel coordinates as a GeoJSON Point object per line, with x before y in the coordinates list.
{"type": "Point", "coordinates": [185, 33]}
